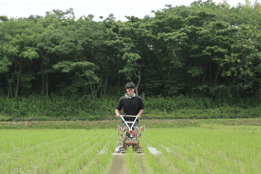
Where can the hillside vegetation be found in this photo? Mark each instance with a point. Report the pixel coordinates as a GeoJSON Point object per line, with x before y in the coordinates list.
{"type": "Point", "coordinates": [198, 61]}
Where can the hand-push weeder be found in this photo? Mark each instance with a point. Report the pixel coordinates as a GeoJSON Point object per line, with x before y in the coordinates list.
{"type": "Point", "coordinates": [131, 134]}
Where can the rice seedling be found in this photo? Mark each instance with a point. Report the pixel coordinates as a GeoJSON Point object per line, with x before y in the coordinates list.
{"type": "Point", "coordinates": [130, 161]}
{"type": "Point", "coordinates": [204, 150]}
{"type": "Point", "coordinates": [210, 148]}
{"type": "Point", "coordinates": [53, 151]}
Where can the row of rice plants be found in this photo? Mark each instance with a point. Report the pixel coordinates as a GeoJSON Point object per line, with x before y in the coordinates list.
{"type": "Point", "coordinates": [131, 161]}
{"type": "Point", "coordinates": [201, 150]}
{"type": "Point", "coordinates": [80, 155]}
{"type": "Point", "coordinates": [101, 162]}
{"type": "Point", "coordinates": [40, 155]}
{"type": "Point", "coordinates": [56, 151]}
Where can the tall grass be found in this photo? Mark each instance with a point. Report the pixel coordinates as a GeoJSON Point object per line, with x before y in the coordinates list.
{"type": "Point", "coordinates": [62, 107]}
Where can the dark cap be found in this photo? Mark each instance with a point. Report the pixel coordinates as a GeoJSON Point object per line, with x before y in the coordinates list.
{"type": "Point", "coordinates": [130, 85]}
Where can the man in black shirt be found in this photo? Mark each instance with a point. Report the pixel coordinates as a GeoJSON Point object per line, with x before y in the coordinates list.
{"type": "Point", "coordinates": [131, 103]}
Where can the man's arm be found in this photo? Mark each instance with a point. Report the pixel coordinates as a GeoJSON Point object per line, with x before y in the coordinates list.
{"type": "Point", "coordinates": [139, 114]}
{"type": "Point", "coordinates": [118, 108]}
{"type": "Point", "coordinates": [117, 112]}
{"type": "Point", "coordinates": [141, 106]}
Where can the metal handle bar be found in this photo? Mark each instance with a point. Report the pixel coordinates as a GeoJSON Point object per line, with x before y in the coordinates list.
{"type": "Point", "coordinates": [128, 115]}
{"type": "Point", "coordinates": [130, 128]}
{"type": "Point", "coordinates": [129, 122]}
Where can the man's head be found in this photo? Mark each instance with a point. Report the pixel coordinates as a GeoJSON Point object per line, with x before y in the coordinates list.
{"type": "Point", "coordinates": [130, 88]}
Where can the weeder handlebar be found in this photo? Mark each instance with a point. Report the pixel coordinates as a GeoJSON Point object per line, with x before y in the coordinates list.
{"type": "Point", "coordinates": [129, 115]}
{"type": "Point", "coordinates": [126, 122]}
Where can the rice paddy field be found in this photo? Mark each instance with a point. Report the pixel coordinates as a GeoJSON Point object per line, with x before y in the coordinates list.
{"type": "Point", "coordinates": [209, 148]}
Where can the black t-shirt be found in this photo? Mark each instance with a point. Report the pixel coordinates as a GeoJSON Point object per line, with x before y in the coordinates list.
{"type": "Point", "coordinates": [131, 106]}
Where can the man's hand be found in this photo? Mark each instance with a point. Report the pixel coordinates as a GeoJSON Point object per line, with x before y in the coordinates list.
{"type": "Point", "coordinates": [117, 112]}
{"type": "Point", "coordinates": [118, 116]}
{"type": "Point", "coordinates": [139, 114]}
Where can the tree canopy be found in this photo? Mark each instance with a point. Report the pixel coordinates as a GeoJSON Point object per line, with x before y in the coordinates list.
{"type": "Point", "coordinates": [205, 49]}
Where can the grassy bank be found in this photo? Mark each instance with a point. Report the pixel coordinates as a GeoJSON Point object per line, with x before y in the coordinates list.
{"type": "Point", "coordinates": [111, 124]}
{"type": "Point", "coordinates": [218, 113]}
{"type": "Point", "coordinates": [58, 108]}
{"type": "Point", "coordinates": [107, 124]}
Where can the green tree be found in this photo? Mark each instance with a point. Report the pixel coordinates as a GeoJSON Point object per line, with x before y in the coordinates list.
{"type": "Point", "coordinates": [84, 75]}
{"type": "Point", "coordinates": [53, 42]}
{"type": "Point", "coordinates": [19, 51]}
{"type": "Point", "coordinates": [243, 64]}
{"type": "Point", "coordinates": [132, 67]}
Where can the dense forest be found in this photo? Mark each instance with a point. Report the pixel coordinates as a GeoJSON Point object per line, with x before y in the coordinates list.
{"type": "Point", "coordinates": [204, 50]}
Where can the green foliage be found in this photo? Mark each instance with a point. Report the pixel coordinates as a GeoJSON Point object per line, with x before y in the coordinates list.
{"type": "Point", "coordinates": [84, 70]}
{"type": "Point", "coordinates": [207, 51]}
{"type": "Point", "coordinates": [132, 65]}
{"type": "Point", "coordinates": [181, 107]}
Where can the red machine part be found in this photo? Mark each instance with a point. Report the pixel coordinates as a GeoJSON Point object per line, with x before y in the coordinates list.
{"type": "Point", "coordinates": [128, 142]}
{"type": "Point", "coordinates": [142, 129]}
{"type": "Point", "coordinates": [132, 132]}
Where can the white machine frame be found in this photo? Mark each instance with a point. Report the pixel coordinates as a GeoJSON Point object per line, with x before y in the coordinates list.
{"type": "Point", "coordinates": [126, 122]}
